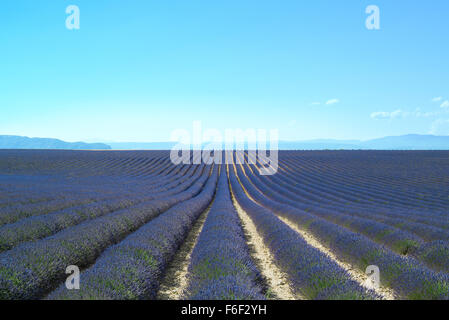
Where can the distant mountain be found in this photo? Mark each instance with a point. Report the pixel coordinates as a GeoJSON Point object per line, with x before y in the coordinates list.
{"type": "Point", "coordinates": [409, 142]}
{"type": "Point", "coordinates": [17, 142]}
{"type": "Point", "coordinates": [406, 142]}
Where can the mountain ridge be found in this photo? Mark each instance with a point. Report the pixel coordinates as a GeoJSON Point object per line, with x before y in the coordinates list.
{"type": "Point", "coordinates": [22, 142]}
{"type": "Point", "coordinates": [403, 142]}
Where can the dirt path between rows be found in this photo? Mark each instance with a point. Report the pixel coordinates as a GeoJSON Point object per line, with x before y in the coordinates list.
{"type": "Point", "coordinates": [354, 273]}
{"type": "Point", "coordinates": [175, 280]}
{"type": "Point", "coordinates": [276, 280]}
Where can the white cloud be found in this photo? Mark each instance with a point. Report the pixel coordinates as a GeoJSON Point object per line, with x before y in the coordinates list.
{"type": "Point", "coordinates": [398, 113]}
{"type": "Point", "coordinates": [445, 104]}
{"type": "Point", "coordinates": [437, 99]}
{"type": "Point", "coordinates": [388, 115]}
{"type": "Point", "coordinates": [332, 101]}
{"type": "Point", "coordinates": [380, 115]}
{"type": "Point", "coordinates": [404, 114]}
{"type": "Point", "coordinates": [420, 114]}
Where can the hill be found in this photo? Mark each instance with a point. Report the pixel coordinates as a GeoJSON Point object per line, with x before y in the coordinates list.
{"type": "Point", "coordinates": [18, 142]}
{"type": "Point", "coordinates": [405, 142]}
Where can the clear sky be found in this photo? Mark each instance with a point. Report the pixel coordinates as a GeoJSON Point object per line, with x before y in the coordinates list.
{"type": "Point", "coordinates": [137, 70]}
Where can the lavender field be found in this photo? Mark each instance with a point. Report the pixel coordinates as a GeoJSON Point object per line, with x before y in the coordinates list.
{"type": "Point", "coordinates": [139, 227]}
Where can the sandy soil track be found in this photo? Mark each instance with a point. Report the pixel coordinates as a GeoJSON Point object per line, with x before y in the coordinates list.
{"type": "Point", "coordinates": [175, 279]}
{"type": "Point", "coordinates": [276, 280]}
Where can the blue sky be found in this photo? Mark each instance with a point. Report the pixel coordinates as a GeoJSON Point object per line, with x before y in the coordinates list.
{"type": "Point", "coordinates": [137, 70]}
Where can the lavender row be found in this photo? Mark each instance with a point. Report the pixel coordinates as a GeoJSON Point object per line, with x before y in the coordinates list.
{"type": "Point", "coordinates": [435, 254]}
{"type": "Point", "coordinates": [327, 188]}
{"type": "Point", "coordinates": [407, 214]}
{"type": "Point", "coordinates": [144, 255]}
{"type": "Point", "coordinates": [221, 267]}
{"type": "Point", "coordinates": [408, 277]}
{"type": "Point", "coordinates": [45, 225]}
{"type": "Point", "coordinates": [17, 212]}
{"type": "Point", "coordinates": [32, 269]}
{"type": "Point", "coordinates": [294, 187]}
{"type": "Point", "coordinates": [128, 196]}
{"type": "Point", "coordinates": [384, 231]}
{"type": "Point", "coordinates": [412, 204]}
{"type": "Point", "coordinates": [20, 211]}
{"type": "Point", "coordinates": [312, 274]}
{"type": "Point", "coordinates": [365, 168]}
{"type": "Point", "coordinates": [397, 240]}
{"type": "Point", "coordinates": [350, 191]}
{"type": "Point", "coordinates": [78, 163]}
